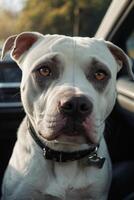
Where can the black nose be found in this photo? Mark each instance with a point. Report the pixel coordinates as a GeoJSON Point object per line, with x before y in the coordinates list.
{"type": "Point", "coordinates": [76, 106]}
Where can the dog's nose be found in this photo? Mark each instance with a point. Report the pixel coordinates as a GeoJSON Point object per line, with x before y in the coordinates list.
{"type": "Point", "coordinates": [76, 106]}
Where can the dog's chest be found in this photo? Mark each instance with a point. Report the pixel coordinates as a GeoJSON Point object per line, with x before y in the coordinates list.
{"type": "Point", "coordinates": [71, 181]}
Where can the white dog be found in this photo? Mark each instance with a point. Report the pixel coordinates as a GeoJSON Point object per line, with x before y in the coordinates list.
{"type": "Point", "coordinates": [68, 89]}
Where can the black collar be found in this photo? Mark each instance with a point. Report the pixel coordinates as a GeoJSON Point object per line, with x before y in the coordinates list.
{"type": "Point", "coordinates": [61, 156]}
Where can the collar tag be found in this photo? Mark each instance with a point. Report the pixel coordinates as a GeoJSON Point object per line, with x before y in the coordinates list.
{"type": "Point", "coordinates": [44, 152]}
{"type": "Point", "coordinates": [95, 160]}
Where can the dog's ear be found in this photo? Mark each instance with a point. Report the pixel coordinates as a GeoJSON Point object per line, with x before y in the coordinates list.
{"type": "Point", "coordinates": [122, 59]}
{"type": "Point", "coordinates": [8, 45]}
{"type": "Point", "coordinates": [19, 44]}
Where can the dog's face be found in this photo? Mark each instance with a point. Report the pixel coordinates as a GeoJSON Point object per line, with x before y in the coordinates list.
{"type": "Point", "coordinates": [68, 86]}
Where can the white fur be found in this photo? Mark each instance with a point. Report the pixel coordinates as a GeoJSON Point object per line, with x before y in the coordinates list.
{"type": "Point", "coordinates": [29, 175]}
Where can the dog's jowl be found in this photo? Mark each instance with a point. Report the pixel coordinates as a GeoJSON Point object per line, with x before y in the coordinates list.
{"type": "Point", "coordinates": [68, 89]}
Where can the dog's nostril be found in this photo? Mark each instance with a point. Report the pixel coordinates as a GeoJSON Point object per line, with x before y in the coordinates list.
{"type": "Point", "coordinates": [68, 107]}
{"type": "Point", "coordinates": [84, 108]}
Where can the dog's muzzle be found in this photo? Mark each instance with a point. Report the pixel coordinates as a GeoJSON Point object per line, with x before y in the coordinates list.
{"type": "Point", "coordinates": [75, 110]}
{"type": "Point", "coordinates": [66, 115]}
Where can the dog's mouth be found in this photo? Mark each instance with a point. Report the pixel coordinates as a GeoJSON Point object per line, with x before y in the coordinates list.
{"type": "Point", "coordinates": [66, 131]}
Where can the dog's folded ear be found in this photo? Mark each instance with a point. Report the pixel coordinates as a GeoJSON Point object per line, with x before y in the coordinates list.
{"type": "Point", "coordinates": [122, 59]}
{"type": "Point", "coordinates": [19, 44]}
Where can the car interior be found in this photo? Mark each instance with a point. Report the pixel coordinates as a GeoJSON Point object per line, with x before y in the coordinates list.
{"type": "Point", "coordinates": [124, 108]}
{"type": "Point", "coordinates": [119, 130]}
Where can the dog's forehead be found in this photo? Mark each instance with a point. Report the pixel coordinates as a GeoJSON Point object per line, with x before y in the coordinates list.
{"type": "Point", "coordinates": [76, 49]}
{"type": "Point", "coordinates": [72, 47]}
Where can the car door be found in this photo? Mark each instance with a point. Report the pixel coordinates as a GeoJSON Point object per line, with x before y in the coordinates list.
{"type": "Point", "coordinates": [117, 27]}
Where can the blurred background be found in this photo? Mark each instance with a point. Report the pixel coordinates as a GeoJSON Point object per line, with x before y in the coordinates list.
{"type": "Point", "coordinates": [69, 17]}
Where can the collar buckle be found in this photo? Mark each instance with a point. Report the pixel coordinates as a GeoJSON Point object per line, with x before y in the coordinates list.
{"type": "Point", "coordinates": [95, 160]}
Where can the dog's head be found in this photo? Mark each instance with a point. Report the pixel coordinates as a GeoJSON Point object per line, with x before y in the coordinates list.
{"type": "Point", "coordinates": [68, 85]}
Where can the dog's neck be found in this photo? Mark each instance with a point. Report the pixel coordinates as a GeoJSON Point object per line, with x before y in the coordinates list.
{"type": "Point", "coordinates": [61, 156]}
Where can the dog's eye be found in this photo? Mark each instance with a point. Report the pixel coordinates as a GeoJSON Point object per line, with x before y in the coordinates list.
{"type": "Point", "coordinates": [45, 71]}
{"type": "Point", "coordinates": [100, 75]}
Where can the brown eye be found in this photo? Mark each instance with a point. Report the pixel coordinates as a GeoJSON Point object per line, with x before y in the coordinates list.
{"type": "Point", "coordinates": [100, 75]}
{"type": "Point", "coordinates": [45, 71]}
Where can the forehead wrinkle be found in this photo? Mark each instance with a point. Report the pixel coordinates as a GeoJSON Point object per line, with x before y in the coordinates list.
{"type": "Point", "coordinates": [74, 63]}
{"type": "Point", "coordinates": [66, 46]}
{"type": "Point", "coordinates": [62, 45]}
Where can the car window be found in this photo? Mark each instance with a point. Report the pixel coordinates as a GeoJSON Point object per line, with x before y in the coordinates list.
{"type": "Point", "coordinates": [10, 74]}
{"type": "Point", "coordinates": [60, 17]}
{"type": "Point", "coordinates": [130, 45]}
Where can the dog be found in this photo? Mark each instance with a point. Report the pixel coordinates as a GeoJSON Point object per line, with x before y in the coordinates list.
{"type": "Point", "coordinates": [68, 89]}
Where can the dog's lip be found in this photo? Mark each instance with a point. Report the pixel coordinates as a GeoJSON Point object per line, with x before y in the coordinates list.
{"type": "Point", "coordinates": [56, 136]}
{"type": "Point", "coordinates": [68, 140]}
{"type": "Point", "coordinates": [49, 136]}
{"type": "Point", "coordinates": [71, 139]}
